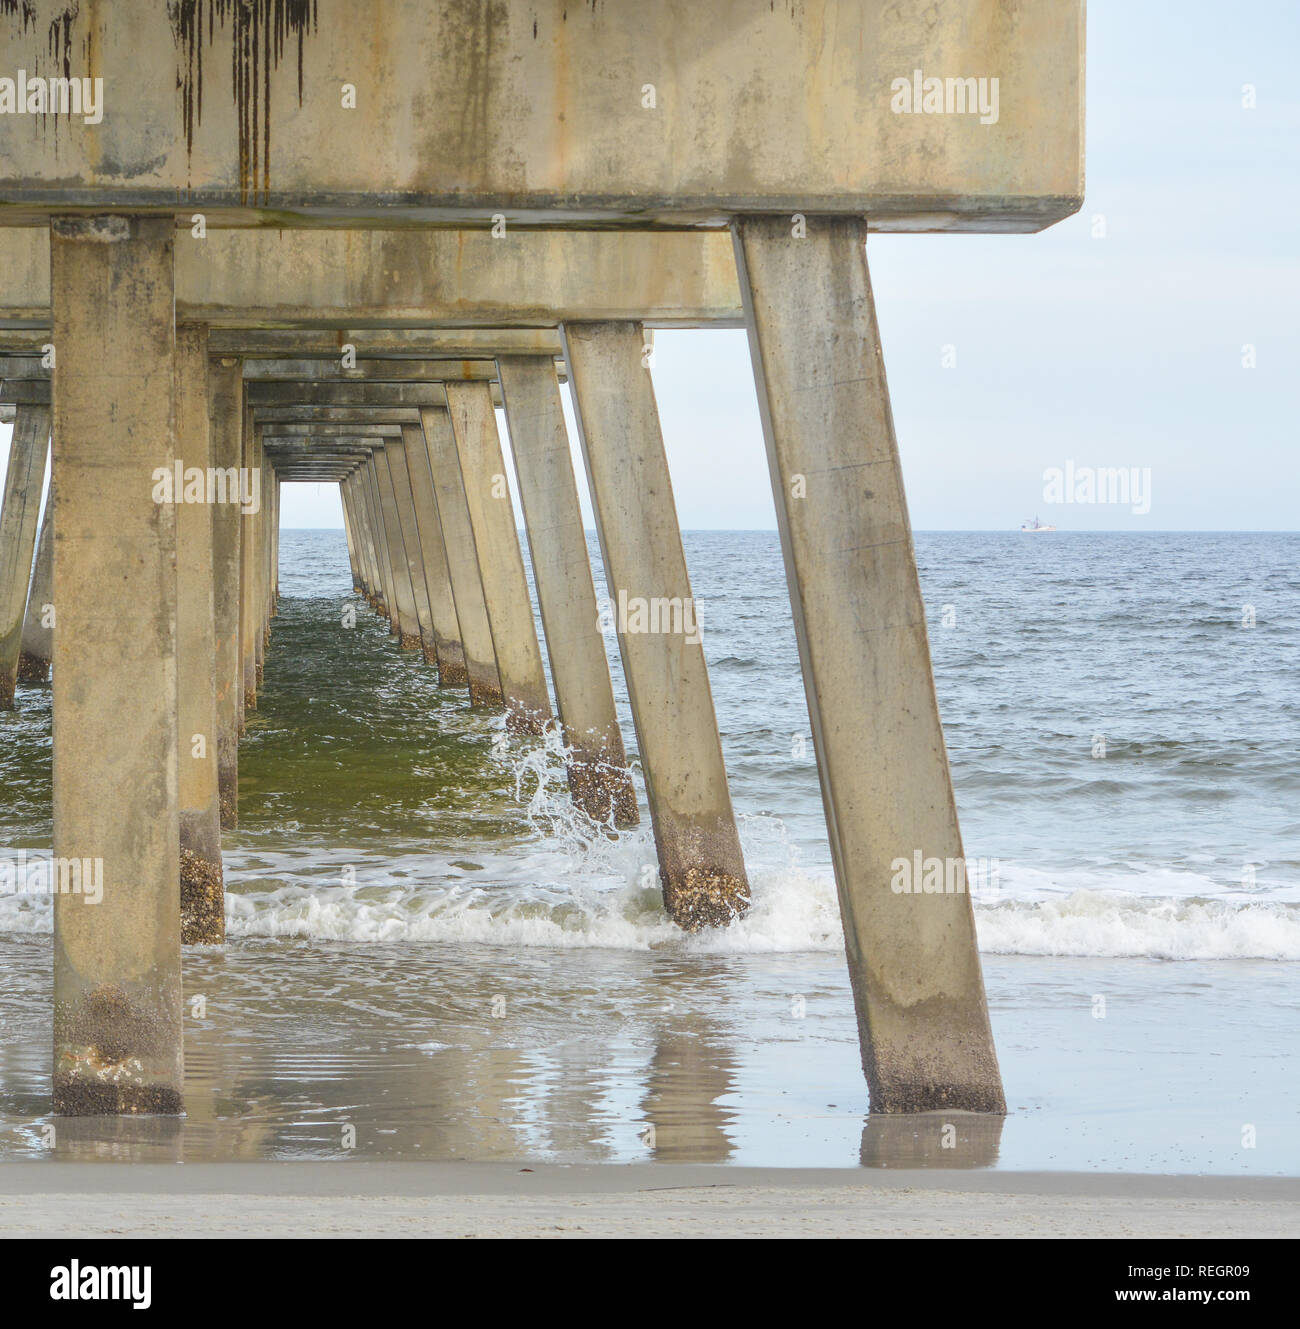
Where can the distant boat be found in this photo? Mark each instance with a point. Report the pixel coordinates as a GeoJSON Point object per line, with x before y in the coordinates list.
{"type": "Point", "coordinates": [1035, 527]}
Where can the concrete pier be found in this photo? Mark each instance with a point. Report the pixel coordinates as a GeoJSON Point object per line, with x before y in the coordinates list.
{"type": "Point", "coordinates": [462, 559]}
{"type": "Point", "coordinates": [500, 562]}
{"type": "Point", "coordinates": [117, 978]}
{"type": "Point", "coordinates": [599, 779]}
{"type": "Point", "coordinates": [202, 892]}
{"type": "Point", "coordinates": [38, 627]}
{"type": "Point", "coordinates": [886, 788]}
{"type": "Point", "coordinates": [700, 862]}
{"type": "Point", "coordinates": [19, 519]}
{"type": "Point", "coordinates": [448, 651]}
{"type": "Point", "coordinates": [225, 436]}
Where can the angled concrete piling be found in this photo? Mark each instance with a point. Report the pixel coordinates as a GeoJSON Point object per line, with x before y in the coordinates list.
{"type": "Point", "coordinates": [386, 607]}
{"type": "Point", "coordinates": [395, 456]}
{"type": "Point", "coordinates": [19, 520]}
{"type": "Point", "coordinates": [860, 623]}
{"type": "Point", "coordinates": [501, 565]}
{"type": "Point", "coordinates": [117, 975]}
{"type": "Point", "coordinates": [249, 628]}
{"type": "Point", "coordinates": [700, 863]}
{"type": "Point", "coordinates": [599, 779]}
{"type": "Point", "coordinates": [38, 625]}
{"type": "Point", "coordinates": [462, 559]}
{"type": "Point", "coordinates": [202, 890]}
{"type": "Point", "coordinates": [225, 435]}
{"type": "Point", "coordinates": [405, 623]}
{"type": "Point", "coordinates": [448, 651]}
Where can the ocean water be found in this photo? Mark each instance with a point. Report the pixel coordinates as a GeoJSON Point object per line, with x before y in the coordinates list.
{"type": "Point", "coordinates": [431, 956]}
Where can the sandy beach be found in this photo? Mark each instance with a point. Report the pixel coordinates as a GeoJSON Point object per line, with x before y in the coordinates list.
{"type": "Point", "coordinates": [505, 1200]}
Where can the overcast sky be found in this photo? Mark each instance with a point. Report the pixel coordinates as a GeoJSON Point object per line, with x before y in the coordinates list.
{"type": "Point", "coordinates": [1118, 350]}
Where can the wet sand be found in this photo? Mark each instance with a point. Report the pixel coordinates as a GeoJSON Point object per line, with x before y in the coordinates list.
{"type": "Point", "coordinates": [362, 1199]}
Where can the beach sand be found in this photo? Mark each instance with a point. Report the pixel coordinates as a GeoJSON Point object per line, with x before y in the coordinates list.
{"type": "Point", "coordinates": [360, 1199]}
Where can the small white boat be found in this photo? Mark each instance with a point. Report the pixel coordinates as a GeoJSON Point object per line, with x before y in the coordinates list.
{"type": "Point", "coordinates": [1035, 527]}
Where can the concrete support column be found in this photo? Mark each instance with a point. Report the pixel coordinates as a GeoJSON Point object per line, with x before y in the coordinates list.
{"type": "Point", "coordinates": [202, 896]}
{"type": "Point", "coordinates": [365, 541]}
{"type": "Point", "coordinates": [19, 519]}
{"type": "Point", "coordinates": [500, 562]}
{"type": "Point", "coordinates": [350, 533]}
{"type": "Point", "coordinates": [249, 630]}
{"type": "Point", "coordinates": [462, 560]}
{"type": "Point", "coordinates": [405, 623]}
{"type": "Point", "coordinates": [117, 962]}
{"type": "Point", "coordinates": [599, 780]}
{"type": "Point", "coordinates": [383, 563]}
{"type": "Point", "coordinates": [395, 455]}
{"type": "Point", "coordinates": [262, 557]}
{"type": "Point", "coordinates": [860, 622]}
{"type": "Point", "coordinates": [700, 862]}
{"type": "Point", "coordinates": [225, 436]}
{"type": "Point", "coordinates": [38, 626]}
{"type": "Point", "coordinates": [448, 651]}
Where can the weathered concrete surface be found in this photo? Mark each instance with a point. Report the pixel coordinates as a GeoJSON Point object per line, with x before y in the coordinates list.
{"type": "Point", "coordinates": [599, 780]}
{"type": "Point", "coordinates": [860, 623]}
{"type": "Point", "coordinates": [226, 414]}
{"type": "Point", "coordinates": [249, 521]}
{"type": "Point", "coordinates": [700, 863]}
{"type": "Point", "coordinates": [448, 652]}
{"type": "Point", "coordinates": [405, 623]}
{"type": "Point", "coordinates": [419, 280]}
{"type": "Point", "coordinates": [462, 560]}
{"type": "Point", "coordinates": [38, 625]}
{"type": "Point", "coordinates": [203, 920]}
{"type": "Point", "coordinates": [671, 112]}
{"type": "Point", "coordinates": [500, 562]}
{"type": "Point", "coordinates": [19, 520]}
{"type": "Point", "coordinates": [117, 979]}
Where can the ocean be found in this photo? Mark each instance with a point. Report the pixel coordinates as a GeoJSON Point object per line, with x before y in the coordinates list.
{"type": "Point", "coordinates": [431, 956]}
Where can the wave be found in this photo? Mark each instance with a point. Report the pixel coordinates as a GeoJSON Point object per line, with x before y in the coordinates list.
{"type": "Point", "coordinates": [571, 884]}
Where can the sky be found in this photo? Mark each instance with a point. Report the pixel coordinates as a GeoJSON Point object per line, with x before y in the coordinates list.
{"type": "Point", "coordinates": [1115, 339]}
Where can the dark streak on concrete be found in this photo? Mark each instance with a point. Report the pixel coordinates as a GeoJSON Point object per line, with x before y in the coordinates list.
{"type": "Point", "coordinates": [259, 30]}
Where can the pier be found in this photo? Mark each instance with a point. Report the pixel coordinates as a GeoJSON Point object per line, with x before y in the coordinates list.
{"type": "Point", "coordinates": [336, 266]}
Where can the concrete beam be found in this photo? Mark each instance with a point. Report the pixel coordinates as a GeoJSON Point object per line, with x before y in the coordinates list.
{"type": "Point", "coordinates": [418, 279]}
{"type": "Point", "coordinates": [671, 113]}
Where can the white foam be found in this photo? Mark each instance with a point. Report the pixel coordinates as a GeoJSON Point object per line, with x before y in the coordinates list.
{"type": "Point", "coordinates": [572, 884]}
